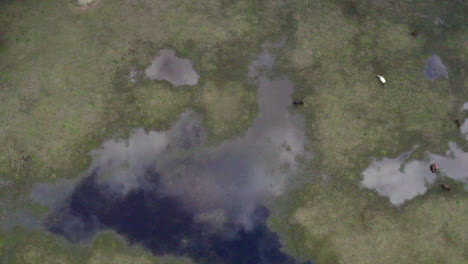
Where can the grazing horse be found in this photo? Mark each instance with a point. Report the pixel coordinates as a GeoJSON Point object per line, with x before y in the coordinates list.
{"type": "Point", "coordinates": [457, 122]}
{"type": "Point", "coordinates": [297, 102]}
{"type": "Point", "coordinates": [446, 187]}
{"type": "Point", "coordinates": [433, 168]}
{"type": "Point", "coordinates": [381, 79]}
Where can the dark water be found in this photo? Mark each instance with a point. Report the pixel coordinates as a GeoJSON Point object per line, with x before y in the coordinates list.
{"type": "Point", "coordinates": [164, 226]}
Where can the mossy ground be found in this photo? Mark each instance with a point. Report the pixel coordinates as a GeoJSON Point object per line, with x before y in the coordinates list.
{"type": "Point", "coordinates": [64, 88]}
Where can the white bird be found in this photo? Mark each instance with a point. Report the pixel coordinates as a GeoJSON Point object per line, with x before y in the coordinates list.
{"type": "Point", "coordinates": [382, 79]}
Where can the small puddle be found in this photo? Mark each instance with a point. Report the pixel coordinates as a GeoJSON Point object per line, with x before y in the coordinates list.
{"type": "Point", "coordinates": [173, 69]}
{"type": "Point", "coordinates": [435, 68]}
{"type": "Point", "coordinates": [84, 2]}
{"type": "Point", "coordinates": [133, 76]}
{"type": "Point", "coordinates": [454, 164]}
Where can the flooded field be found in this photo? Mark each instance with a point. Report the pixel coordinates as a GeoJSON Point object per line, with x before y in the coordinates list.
{"type": "Point", "coordinates": [165, 132]}
{"type": "Point", "coordinates": [174, 196]}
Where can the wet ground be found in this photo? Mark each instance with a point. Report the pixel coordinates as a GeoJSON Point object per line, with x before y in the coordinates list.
{"type": "Point", "coordinates": [168, 192]}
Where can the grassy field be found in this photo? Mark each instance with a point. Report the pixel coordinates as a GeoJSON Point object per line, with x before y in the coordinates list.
{"type": "Point", "coordinates": [65, 84]}
{"type": "Point", "coordinates": [337, 51]}
{"type": "Point", "coordinates": [65, 87]}
{"type": "Point", "coordinates": [36, 247]}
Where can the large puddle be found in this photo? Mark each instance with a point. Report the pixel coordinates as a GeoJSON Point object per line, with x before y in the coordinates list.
{"type": "Point", "coordinates": [168, 192]}
{"type": "Point", "coordinates": [396, 180]}
{"type": "Point", "coordinates": [401, 180]}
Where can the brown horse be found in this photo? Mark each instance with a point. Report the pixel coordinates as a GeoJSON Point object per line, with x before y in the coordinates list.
{"type": "Point", "coordinates": [433, 168]}
{"type": "Point", "coordinates": [446, 187]}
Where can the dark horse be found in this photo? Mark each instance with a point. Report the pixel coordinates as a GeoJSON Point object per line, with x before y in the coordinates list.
{"type": "Point", "coordinates": [446, 187]}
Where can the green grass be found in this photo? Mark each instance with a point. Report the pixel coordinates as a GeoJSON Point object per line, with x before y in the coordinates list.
{"type": "Point", "coordinates": [229, 108]}
{"type": "Point", "coordinates": [351, 117]}
{"type": "Point", "coordinates": [31, 247]}
{"type": "Point", "coordinates": [357, 226]}
{"type": "Point", "coordinates": [64, 88]}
